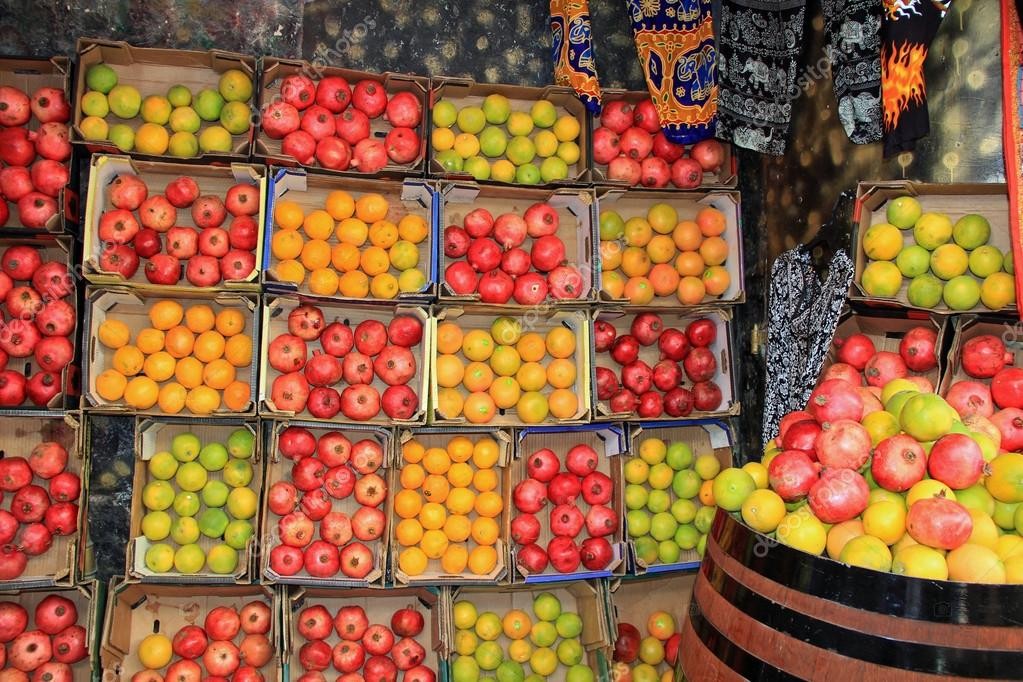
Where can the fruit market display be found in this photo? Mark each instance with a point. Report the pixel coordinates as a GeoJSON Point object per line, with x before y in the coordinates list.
{"type": "Point", "coordinates": [984, 385]}
{"type": "Point", "coordinates": [347, 641]}
{"type": "Point", "coordinates": [38, 307]}
{"type": "Point", "coordinates": [537, 640]}
{"type": "Point", "coordinates": [629, 147]}
{"type": "Point", "coordinates": [326, 493]}
{"type": "Point", "coordinates": [138, 115]}
{"type": "Point", "coordinates": [341, 120]}
{"type": "Point", "coordinates": [45, 636]}
{"type": "Point", "coordinates": [199, 501]}
{"type": "Point", "coordinates": [924, 258]}
{"type": "Point", "coordinates": [650, 654]}
{"type": "Point", "coordinates": [642, 364]}
{"type": "Point", "coordinates": [449, 513]}
{"type": "Point", "coordinates": [360, 369]}
{"type": "Point", "coordinates": [490, 370]}
{"type": "Point", "coordinates": [353, 245]}
{"type": "Point", "coordinates": [35, 149]}
{"type": "Point", "coordinates": [653, 254]}
{"type": "Point", "coordinates": [528, 143]}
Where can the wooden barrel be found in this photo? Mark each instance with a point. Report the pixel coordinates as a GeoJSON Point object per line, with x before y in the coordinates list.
{"type": "Point", "coordinates": [764, 611]}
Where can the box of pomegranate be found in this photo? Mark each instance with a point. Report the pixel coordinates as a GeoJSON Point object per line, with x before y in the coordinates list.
{"type": "Point", "coordinates": [362, 632]}
{"type": "Point", "coordinates": [341, 121]}
{"type": "Point", "coordinates": [40, 313]}
{"type": "Point", "coordinates": [350, 239]}
{"type": "Point", "coordinates": [493, 367]}
{"type": "Point", "coordinates": [51, 633]}
{"type": "Point", "coordinates": [662, 364]}
{"type": "Point", "coordinates": [166, 226]}
{"type": "Point", "coordinates": [629, 149]}
{"type": "Point", "coordinates": [640, 616]}
{"type": "Point", "coordinates": [185, 352]}
{"type": "Point", "coordinates": [670, 250]}
{"type": "Point", "coordinates": [509, 134]}
{"type": "Point", "coordinates": [45, 486]}
{"type": "Point", "coordinates": [664, 472]}
{"type": "Point", "coordinates": [36, 184]}
{"type": "Point", "coordinates": [195, 504]}
{"type": "Point", "coordinates": [448, 514]}
{"type": "Point", "coordinates": [557, 631]}
{"type": "Point", "coordinates": [517, 247]}
{"type": "Point", "coordinates": [159, 104]}
{"type": "Point", "coordinates": [173, 632]}
{"type": "Point", "coordinates": [327, 491]}
{"type": "Point", "coordinates": [322, 359]}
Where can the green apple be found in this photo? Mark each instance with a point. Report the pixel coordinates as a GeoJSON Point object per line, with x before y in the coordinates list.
{"type": "Point", "coordinates": [241, 443]}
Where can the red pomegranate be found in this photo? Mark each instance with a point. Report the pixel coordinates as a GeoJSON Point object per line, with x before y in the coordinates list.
{"type": "Point", "coordinates": [835, 399]}
{"type": "Point", "coordinates": [917, 349]}
{"type": "Point", "coordinates": [983, 356]}
{"type": "Point", "coordinates": [855, 350]}
{"type": "Point", "coordinates": [843, 444]}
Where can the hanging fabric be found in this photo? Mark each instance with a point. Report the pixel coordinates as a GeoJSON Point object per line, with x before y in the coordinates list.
{"type": "Point", "coordinates": [852, 31]}
{"type": "Point", "coordinates": [572, 47]}
{"type": "Point", "coordinates": [1012, 130]}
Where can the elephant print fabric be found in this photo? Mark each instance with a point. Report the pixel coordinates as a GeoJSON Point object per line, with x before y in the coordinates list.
{"type": "Point", "coordinates": [675, 41]}
{"type": "Point", "coordinates": [853, 29]}
{"type": "Point", "coordinates": [572, 46]}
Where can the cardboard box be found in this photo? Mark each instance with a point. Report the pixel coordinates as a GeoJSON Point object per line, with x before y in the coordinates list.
{"type": "Point", "coordinates": [155, 435]}
{"type": "Point", "coordinates": [583, 597]}
{"type": "Point", "coordinates": [965, 327]}
{"type": "Point", "coordinates": [633, 203]}
{"type": "Point", "coordinates": [28, 75]}
{"type": "Point", "coordinates": [954, 200]}
{"type": "Point", "coordinates": [273, 71]}
{"type": "Point", "coordinates": [465, 92]}
{"type": "Point", "coordinates": [726, 176]}
{"type": "Point", "coordinates": [310, 191]}
{"type": "Point", "coordinates": [540, 321]}
{"type": "Point", "coordinates": [275, 323]}
{"type": "Point", "coordinates": [576, 229]}
{"type": "Point", "coordinates": [131, 306]}
{"type": "Point", "coordinates": [633, 600]}
{"type": "Point", "coordinates": [379, 607]}
{"type": "Point", "coordinates": [609, 441]}
{"type": "Point", "coordinates": [278, 468]}
{"type": "Point", "coordinates": [430, 437]}
{"type": "Point", "coordinates": [215, 180]}
{"type": "Point", "coordinates": [621, 319]}
{"type": "Point", "coordinates": [152, 71]}
{"type": "Point", "coordinates": [135, 611]}
{"type": "Point", "coordinates": [59, 565]}
{"type": "Point", "coordinates": [707, 436]}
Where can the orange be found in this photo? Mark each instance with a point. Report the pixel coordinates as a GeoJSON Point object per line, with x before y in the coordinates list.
{"type": "Point", "coordinates": [531, 347]}
{"type": "Point", "coordinates": [159, 366]}
{"type": "Point", "coordinates": [412, 476]}
{"type": "Point", "coordinates": [171, 398]}
{"type": "Point", "coordinates": [188, 372]}
{"type": "Point", "coordinates": [482, 560]}
{"type": "Point", "coordinates": [315, 254]}
{"type": "Point", "coordinates": [485, 453]}
{"type": "Point", "coordinates": [460, 474]}
{"type": "Point", "coordinates": [413, 228]}
{"type": "Point", "coordinates": [610, 255]}
{"type": "Point", "coordinates": [639, 290]}
{"type": "Point", "coordinates": [436, 461]}
{"type": "Point", "coordinates": [288, 215]}
{"type": "Point", "coordinates": [505, 361]}
{"type": "Point", "coordinates": [408, 532]}
{"type": "Point", "coordinates": [455, 559]}
{"type": "Point", "coordinates": [384, 285]}
{"type": "Point", "coordinates": [485, 531]}
{"type": "Point", "coordinates": [110, 385]}
{"type": "Point", "coordinates": [484, 480]}
{"type": "Point", "coordinates": [714, 250]}
{"type": "Point", "coordinates": [691, 290]}
{"type": "Point", "coordinates": [488, 504]}
{"type": "Point", "coordinates": [352, 231]}
{"type": "Point", "coordinates": [449, 403]}
{"type": "Point", "coordinates": [532, 407]}
{"type": "Point", "coordinates": [687, 236]}
{"type": "Point", "coordinates": [318, 225]}
{"type": "Point", "coordinates": [383, 233]}
{"type": "Point", "coordinates": [353, 284]}
{"type": "Point", "coordinates": [199, 318]}
{"type": "Point", "coordinates": [638, 231]}
{"type": "Point", "coordinates": [434, 543]}
{"type": "Point", "coordinates": [323, 282]}
{"type": "Point", "coordinates": [661, 249]}
{"type": "Point", "coordinates": [690, 264]}
{"type": "Point", "coordinates": [449, 337]}
{"type": "Point", "coordinates": [340, 205]}
{"type": "Point", "coordinates": [128, 360]}
{"type": "Point", "coordinates": [975, 564]}
{"type": "Point", "coordinates": [230, 321]}
{"type": "Point", "coordinates": [560, 342]}
{"type": "Point", "coordinates": [561, 373]}
{"type": "Point", "coordinates": [432, 515]}
{"type": "Point", "coordinates": [516, 624]}
{"type": "Point", "coordinates": [436, 488]}
{"type": "Point", "coordinates": [166, 314]}
{"type": "Point", "coordinates": [450, 370]}
{"type": "Point", "coordinates": [412, 561]}
{"type": "Point", "coordinates": [505, 392]}
{"type": "Point", "coordinates": [563, 403]}
{"type": "Point", "coordinates": [238, 350]}
{"type": "Point", "coordinates": [716, 280]}
{"type": "Point", "coordinates": [208, 346]}
{"type": "Point", "coordinates": [237, 396]}
{"type": "Point", "coordinates": [290, 270]}
{"type": "Point", "coordinates": [374, 261]}
{"type": "Point", "coordinates": [531, 376]}
{"type": "Point", "coordinates": [707, 493]}
{"type": "Point", "coordinates": [371, 207]}
{"type": "Point", "coordinates": [407, 504]}
{"type": "Point", "coordinates": [664, 279]}
{"type": "Point", "coordinates": [885, 520]}
{"type": "Point", "coordinates": [218, 374]}
{"type": "Point", "coordinates": [711, 221]}
{"type": "Point", "coordinates": [202, 400]}
{"type": "Point", "coordinates": [141, 393]}
{"type": "Point", "coordinates": [457, 527]}
{"type": "Point", "coordinates": [635, 262]}
{"type": "Point", "coordinates": [460, 500]}
{"type": "Point", "coordinates": [613, 284]}
{"type": "Point", "coordinates": [286, 245]}
{"type": "Point", "coordinates": [178, 341]}
{"type": "Point", "coordinates": [479, 408]}
{"type": "Point", "coordinates": [459, 449]}
{"type": "Point", "coordinates": [478, 377]}
{"type": "Point", "coordinates": [150, 340]}
{"type": "Point", "coordinates": [113, 333]}
{"type": "Point", "coordinates": [412, 451]}
{"type": "Point", "coordinates": [345, 257]}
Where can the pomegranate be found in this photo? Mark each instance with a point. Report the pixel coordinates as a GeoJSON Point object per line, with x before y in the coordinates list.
{"type": "Point", "coordinates": [843, 444]}
{"type": "Point", "coordinates": [710, 154]}
{"type": "Point", "coordinates": [52, 141]}
{"type": "Point", "coordinates": [835, 399]}
{"type": "Point", "coordinates": [673, 344]}
{"type": "Point", "coordinates": [884, 366]}
{"type": "Point", "coordinates": [678, 402]}
{"type": "Point", "coordinates": [1009, 422]}
{"type": "Point", "coordinates": [791, 418]}
{"type": "Point", "coordinates": [1007, 387]}
{"type": "Point", "coordinates": [654, 172]}
{"type": "Point", "coordinates": [839, 495]}
{"type": "Point", "coordinates": [899, 462]}
{"type": "Point", "coordinates": [707, 396]}
{"type": "Point", "coordinates": [686, 174]}
{"type": "Point", "coordinates": [15, 147]}
{"type": "Point", "coordinates": [970, 398]}
{"type": "Point", "coordinates": [845, 372]}
{"type": "Point", "coordinates": [666, 149]}
{"type": "Point", "coordinates": [637, 143]}
{"type": "Point", "coordinates": [617, 116]}
{"type": "Point", "coordinates": [983, 356]}
{"type": "Point", "coordinates": [700, 364]}
{"type": "Point", "coordinates": [624, 169]}
{"type": "Point", "coordinates": [956, 460]}
{"type": "Point", "coordinates": [301, 145]}
{"type": "Point", "coordinates": [855, 350]}
{"type": "Point", "coordinates": [802, 435]}
{"type": "Point", "coordinates": [606, 145]}
{"type": "Point", "coordinates": [792, 474]}
{"type": "Point", "coordinates": [917, 349]}
{"type": "Point", "coordinates": [939, 522]}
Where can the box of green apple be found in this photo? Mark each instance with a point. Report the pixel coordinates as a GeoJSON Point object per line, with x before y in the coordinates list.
{"type": "Point", "coordinates": [195, 501]}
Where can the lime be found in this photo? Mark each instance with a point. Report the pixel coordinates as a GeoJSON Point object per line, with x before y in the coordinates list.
{"type": "Point", "coordinates": [101, 77]}
{"type": "Point", "coordinates": [658, 501]}
{"type": "Point", "coordinates": [971, 231]}
{"type": "Point", "coordinates": [208, 104]}
{"type": "Point", "coordinates": [646, 549]}
{"type": "Point", "coordinates": [124, 101]}
{"type": "Point", "coordinates": [569, 625]}
{"type": "Point", "coordinates": [638, 522]}
{"type": "Point", "coordinates": [925, 291]}
{"type": "Point", "coordinates": [679, 456]}
{"type": "Point", "coordinates": [214, 494]}
{"type": "Point", "coordinates": [903, 212]}
{"type": "Point", "coordinates": [493, 142]}
{"type": "Point", "coordinates": [465, 669]}
{"type": "Point", "coordinates": [496, 108]}
{"type": "Point", "coordinates": [213, 457]}
{"type": "Point", "coordinates": [162, 466]}
{"type": "Point", "coordinates": [213, 522]}
{"type": "Point", "coordinates": [961, 293]}
{"type": "Point", "coordinates": [704, 517]}
{"type": "Point", "coordinates": [185, 447]}
{"type": "Point", "coordinates": [450, 161]}
{"type": "Point", "coordinates": [668, 551]}
{"type": "Point", "coordinates": [948, 261]}
{"type": "Point", "coordinates": [569, 651]}
{"type": "Point", "coordinates": [686, 484]}
{"type": "Point", "coordinates": [686, 536]}
{"type": "Point", "coordinates": [636, 496]}
{"type": "Point", "coordinates": [543, 113]}
{"type": "Point", "coordinates": [123, 136]}
{"type": "Point", "coordinates": [519, 123]}
{"type": "Point", "coordinates": [179, 96]}
{"type": "Point", "coordinates": [510, 671]}
{"type": "Point", "coordinates": [731, 488]}
{"type": "Point", "coordinates": [913, 260]}
{"type": "Point", "coordinates": [477, 167]}
{"type": "Point", "coordinates": [156, 525]}
{"type": "Point", "coordinates": [189, 559]}
{"type": "Point", "coordinates": [160, 558]}
{"type": "Point", "coordinates": [881, 279]}
{"type": "Point", "coordinates": [684, 511]}
{"type": "Point", "coordinates": [932, 230]}
{"type": "Point", "coordinates": [527, 174]}
{"type": "Point", "coordinates": [553, 169]}
{"type": "Point", "coordinates": [471, 120]}
{"type": "Point", "coordinates": [444, 114]}
{"type": "Point", "coordinates": [998, 291]}
{"type": "Point", "coordinates": [235, 117]}
{"type": "Point", "coordinates": [882, 242]}
{"type": "Point", "coordinates": [663, 526]}
{"type": "Point", "coordinates": [94, 103]}
{"type": "Point", "coordinates": [238, 533]}
{"type": "Point", "coordinates": [543, 633]}
{"type": "Point", "coordinates": [241, 443]}
{"type": "Point", "coordinates": [185, 530]}
{"type": "Point", "coordinates": [520, 150]}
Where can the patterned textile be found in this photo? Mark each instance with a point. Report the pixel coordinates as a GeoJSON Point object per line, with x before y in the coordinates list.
{"type": "Point", "coordinates": [574, 65]}
{"type": "Point", "coordinates": [675, 41]}
{"type": "Point", "coordinates": [1012, 130]}
{"type": "Point", "coordinates": [853, 32]}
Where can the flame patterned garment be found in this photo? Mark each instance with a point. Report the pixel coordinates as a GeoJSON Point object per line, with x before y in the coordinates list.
{"type": "Point", "coordinates": [572, 48]}
{"type": "Point", "coordinates": [907, 30]}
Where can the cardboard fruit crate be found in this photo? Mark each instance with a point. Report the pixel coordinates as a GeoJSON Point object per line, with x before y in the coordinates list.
{"type": "Point", "coordinates": [635, 203]}
{"type": "Point", "coordinates": [135, 611]}
{"type": "Point", "coordinates": [216, 180]}
{"type": "Point", "coordinates": [435, 574]}
{"type": "Point", "coordinates": [633, 600]}
{"type": "Point", "coordinates": [539, 321]}
{"type": "Point", "coordinates": [703, 437]}
{"type": "Point", "coordinates": [965, 327]}
{"type": "Point", "coordinates": [273, 71]}
{"type": "Point", "coordinates": [275, 324]}
{"type": "Point", "coordinates": [58, 566]}
{"type": "Point", "coordinates": [621, 319]}
{"type": "Point", "coordinates": [610, 442]}
{"type": "Point", "coordinates": [152, 71]}
{"type": "Point", "coordinates": [28, 75]}
{"type": "Point", "coordinates": [310, 191]}
{"type": "Point", "coordinates": [954, 200]}
{"type": "Point", "coordinates": [379, 607]}
{"type": "Point", "coordinates": [279, 468]}
{"type": "Point", "coordinates": [132, 306]}
{"type": "Point", "coordinates": [725, 176]}
{"type": "Point", "coordinates": [464, 92]}
{"type": "Point", "coordinates": [155, 435]}
{"type": "Point", "coordinates": [576, 229]}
